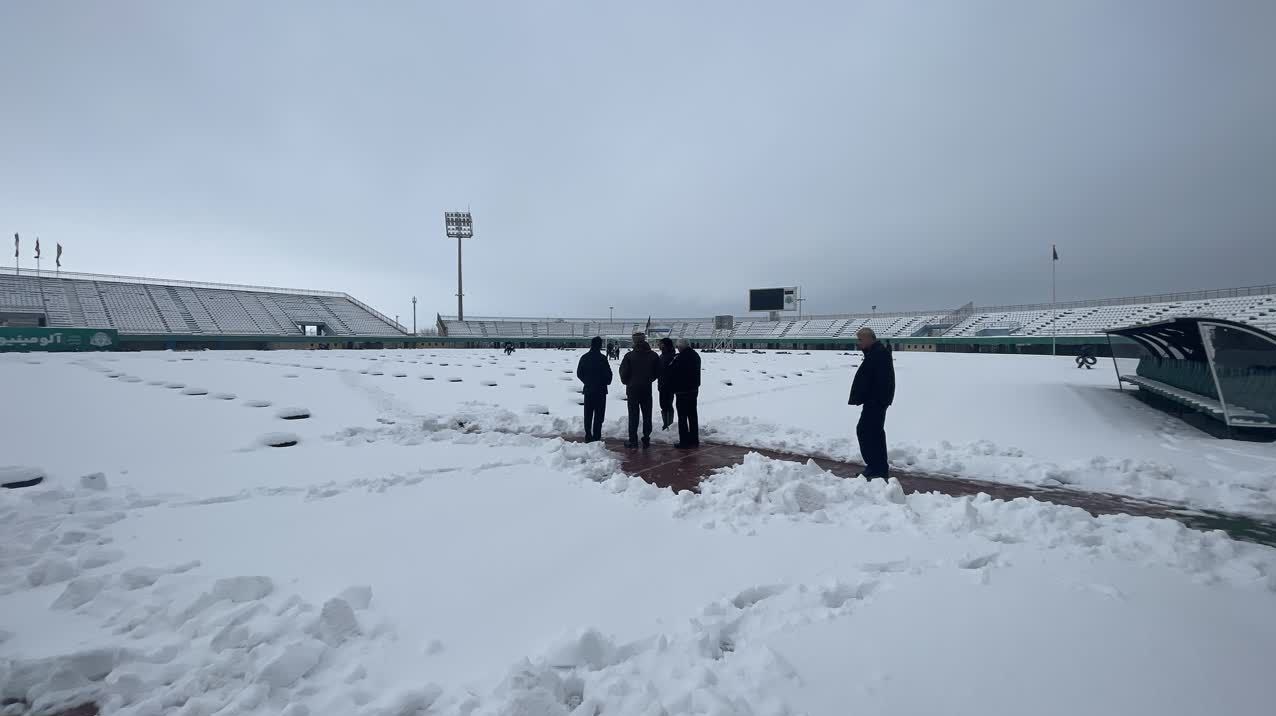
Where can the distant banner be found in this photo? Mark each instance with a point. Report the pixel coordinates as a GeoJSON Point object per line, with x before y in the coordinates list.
{"type": "Point", "coordinates": [58, 339]}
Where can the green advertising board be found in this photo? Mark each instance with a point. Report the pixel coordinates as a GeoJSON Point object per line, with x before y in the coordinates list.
{"type": "Point", "coordinates": [58, 339]}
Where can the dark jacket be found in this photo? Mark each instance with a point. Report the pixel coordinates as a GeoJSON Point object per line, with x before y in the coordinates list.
{"type": "Point", "coordinates": [666, 358]}
{"type": "Point", "coordinates": [594, 371]}
{"type": "Point", "coordinates": [640, 368]}
{"type": "Point", "coordinates": [874, 382]}
{"type": "Point", "coordinates": [686, 372]}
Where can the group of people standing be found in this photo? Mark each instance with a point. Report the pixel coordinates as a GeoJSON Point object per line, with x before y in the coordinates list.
{"type": "Point", "coordinates": [675, 371]}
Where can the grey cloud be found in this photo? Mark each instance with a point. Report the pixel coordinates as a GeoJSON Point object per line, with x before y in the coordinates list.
{"type": "Point", "coordinates": [659, 157]}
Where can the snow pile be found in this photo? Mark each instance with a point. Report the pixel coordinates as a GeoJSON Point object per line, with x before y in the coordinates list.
{"type": "Point", "coordinates": [177, 641]}
{"type": "Point", "coordinates": [761, 489]}
{"type": "Point", "coordinates": [1251, 492]}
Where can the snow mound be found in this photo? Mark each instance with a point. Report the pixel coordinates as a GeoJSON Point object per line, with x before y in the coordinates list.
{"type": "Point", "coordinates": [278, 440]}
{"type": "Point", "coordinates": [20, 474]}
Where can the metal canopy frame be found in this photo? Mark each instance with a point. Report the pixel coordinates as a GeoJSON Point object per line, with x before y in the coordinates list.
{"type": "Point", "coordinates": [1186, 339]}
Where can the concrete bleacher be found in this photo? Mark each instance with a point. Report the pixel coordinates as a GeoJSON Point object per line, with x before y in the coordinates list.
{"type": "Point", "coordinates": [153, 306]}
{"type": "Point", "coordinates": [1255, 306]}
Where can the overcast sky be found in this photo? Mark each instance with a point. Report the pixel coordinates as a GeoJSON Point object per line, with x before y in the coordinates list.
{"type": "Point", "coordinates": [659, 157]}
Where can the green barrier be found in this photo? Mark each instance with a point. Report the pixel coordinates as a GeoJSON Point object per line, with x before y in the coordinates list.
{"type": "Point", "coordinates": [58, 339]}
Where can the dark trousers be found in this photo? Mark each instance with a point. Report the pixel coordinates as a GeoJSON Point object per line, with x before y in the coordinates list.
{"type": "Point", "coordinates": [688, 418]}
{"type": "Point", "coordinates": [639, 401]}
{"type": "Point", "coordinates": [871, 432]}
{"type": "Point", "coordinates": [666, 408]}
{"type": "Point", "coordinates": [595, 410]}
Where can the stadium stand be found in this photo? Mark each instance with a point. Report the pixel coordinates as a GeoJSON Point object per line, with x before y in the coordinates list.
{"type": "Point", "coordinates": [1254, 306]}
{"type": "Point", "coordinates": [142, 306]}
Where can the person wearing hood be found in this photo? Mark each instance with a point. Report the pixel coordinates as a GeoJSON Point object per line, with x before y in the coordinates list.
{"type": "Point", "coordinates": [638, 370]}
{"type": "Point", "coordinates": [594, 371]}
{"type": "Point", "coordinates": [667, 355]}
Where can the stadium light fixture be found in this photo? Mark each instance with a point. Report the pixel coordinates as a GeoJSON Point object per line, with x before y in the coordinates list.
{"type": "Point", "coordinates": [459, 225]}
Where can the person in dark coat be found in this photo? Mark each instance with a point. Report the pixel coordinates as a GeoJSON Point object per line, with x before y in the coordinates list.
{"type": "Point", "coordinates": [667, 354]}
{"type": "Point", "coordinates": [686, 387]}
{"type": "Point", "coordinates": [638, 370]}
{"type": "Point", "coordinates": [595, 372]}
{"type": "Point", "coordinates": [874, 389]}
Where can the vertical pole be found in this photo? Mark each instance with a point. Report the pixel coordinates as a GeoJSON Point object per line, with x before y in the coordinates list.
{"type": "Point", "coordinates": [1207, 341]}
{"type": "Point", "coordinates": [414, 315]}
{"type": "Point", "coordinates": [1115, 366]}
{"type": "Point", "coordinates": [1054, 311]}
{"type": "Point", "coordinates": [460, 294]}
{"type": "Point", "coordinates": [44, 304]}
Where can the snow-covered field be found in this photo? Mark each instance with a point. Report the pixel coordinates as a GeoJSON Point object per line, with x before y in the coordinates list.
{"type": "Point", "coordinates": [428, 545]}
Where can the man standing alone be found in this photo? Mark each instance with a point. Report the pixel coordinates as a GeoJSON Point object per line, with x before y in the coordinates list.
{"type": "Point", "coordinates": [595, 372]}
{"type": "Point", "coordinates": [638, 370]}
{"type": "Point", "coordinates": [874, 389]}
{"type": "Point", "coordinates": [686, 387]}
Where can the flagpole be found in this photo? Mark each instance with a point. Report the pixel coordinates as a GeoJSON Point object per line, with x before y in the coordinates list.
{"type": "Point", "coordinates": [44, 304]}
{"type": "Point", "coordinates": [1054, 310]}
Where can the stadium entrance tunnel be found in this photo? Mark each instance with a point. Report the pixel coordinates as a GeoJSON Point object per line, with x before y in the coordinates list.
{"type": "Point", "coordinates": [665, 466]}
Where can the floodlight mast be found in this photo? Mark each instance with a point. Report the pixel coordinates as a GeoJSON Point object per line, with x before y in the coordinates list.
{"type": "Point", "coordinates": [459, 225]}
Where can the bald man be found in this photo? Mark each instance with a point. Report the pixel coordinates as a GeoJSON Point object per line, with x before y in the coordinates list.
{"type": "Point", "coordinates": [874, 390]}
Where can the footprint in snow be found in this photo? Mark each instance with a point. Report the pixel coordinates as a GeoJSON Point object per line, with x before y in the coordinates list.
{"type": "Point", "coordinates": [489, 383]}
{"type": "Point", "coordinates": [838, 595]}
{"type": "Point", "coordinates": [257, 403]}
{"type": "Point", "coordinates": [155, 382]}
{"type": "Point", "coordinates": [278, 440]}
{"type": "Point", "coordinates": [528, 385]}
{"type": "Point", "coordinates": [174, 386]}
{"type": "Point", "coordinates": [293, 413]}
{"type": "Point", "coordinates": [223, 396]}
{"type": "Point", "coordinates": [400, 375]}
{"type": "Point", "coordinates": [194, 391]}
{"type": "Point", "coordinates": [377, 372]}
{"type": "Point", "coordinates": [290, 375]}
{"type": "Point", "coordinates": [753, 595]}
{"type": "Point", "coordinates": [131, 379]}
{"type": "Point", "coordinates": [427, 377]}
{"type": "Point", "coordinates": [454, 380]}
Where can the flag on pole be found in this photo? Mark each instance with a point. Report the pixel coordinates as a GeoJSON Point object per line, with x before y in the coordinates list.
{"type": "Point", "coordinates": [15, 244]}
{"type": "Point", "coordinates": [37, 247]}
{"type": "Point", "coordinates": [59, 257]}
{"type": "Point", "coordinates": [647, 329]}
{"type": "Point", "coordinates": [1054, 251]}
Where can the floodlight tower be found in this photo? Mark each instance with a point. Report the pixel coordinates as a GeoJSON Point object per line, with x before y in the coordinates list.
{"type": "Point", "coordinates": [459, 225]}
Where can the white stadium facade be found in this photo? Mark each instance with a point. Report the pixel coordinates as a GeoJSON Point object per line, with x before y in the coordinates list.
{"type": "Point", "coordinates": [148, 313]}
